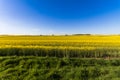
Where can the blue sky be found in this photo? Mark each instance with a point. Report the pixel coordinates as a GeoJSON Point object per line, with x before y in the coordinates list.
{"type": "Point", "coordinates": [59, 16]}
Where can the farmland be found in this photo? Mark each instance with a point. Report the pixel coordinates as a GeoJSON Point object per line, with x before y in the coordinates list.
{"type": "Point", "coordinates": [85, 57]}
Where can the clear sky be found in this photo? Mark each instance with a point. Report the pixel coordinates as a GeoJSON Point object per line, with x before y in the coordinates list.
{"type": "Point", "coordinates": [59, 16]}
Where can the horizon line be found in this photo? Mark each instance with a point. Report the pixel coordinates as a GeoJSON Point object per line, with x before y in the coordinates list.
{"type": "Point", "coordinates": [52, 34]}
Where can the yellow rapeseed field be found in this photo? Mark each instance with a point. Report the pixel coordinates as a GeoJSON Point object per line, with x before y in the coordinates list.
{"type": "Point", "coordinates": [93, 57]}
{"type": "Point", "coordinates": [72, 46]}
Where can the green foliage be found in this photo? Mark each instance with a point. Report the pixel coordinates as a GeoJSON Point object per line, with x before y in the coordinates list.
{"type": "Point", "coordinates": [37, 68]}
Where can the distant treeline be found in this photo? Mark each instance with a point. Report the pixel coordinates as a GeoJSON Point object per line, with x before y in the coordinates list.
{"type": "Point", "coordinates": [68, 35]}
{"type": "Point", "coordinates": [81, 34]}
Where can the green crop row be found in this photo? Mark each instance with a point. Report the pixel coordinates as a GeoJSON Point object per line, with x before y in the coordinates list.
{"type": "Point", "coordinates": [70, 52]}
{"type": "Point", "coordinates": [39, 68]}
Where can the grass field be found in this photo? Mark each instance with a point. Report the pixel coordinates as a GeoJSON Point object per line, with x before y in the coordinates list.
{"type": "Point", "coordinates": [85, 57]}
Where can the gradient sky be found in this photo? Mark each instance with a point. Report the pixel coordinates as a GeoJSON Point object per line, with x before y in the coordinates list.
{"type": "Point", "coordinates": [59, 16]}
